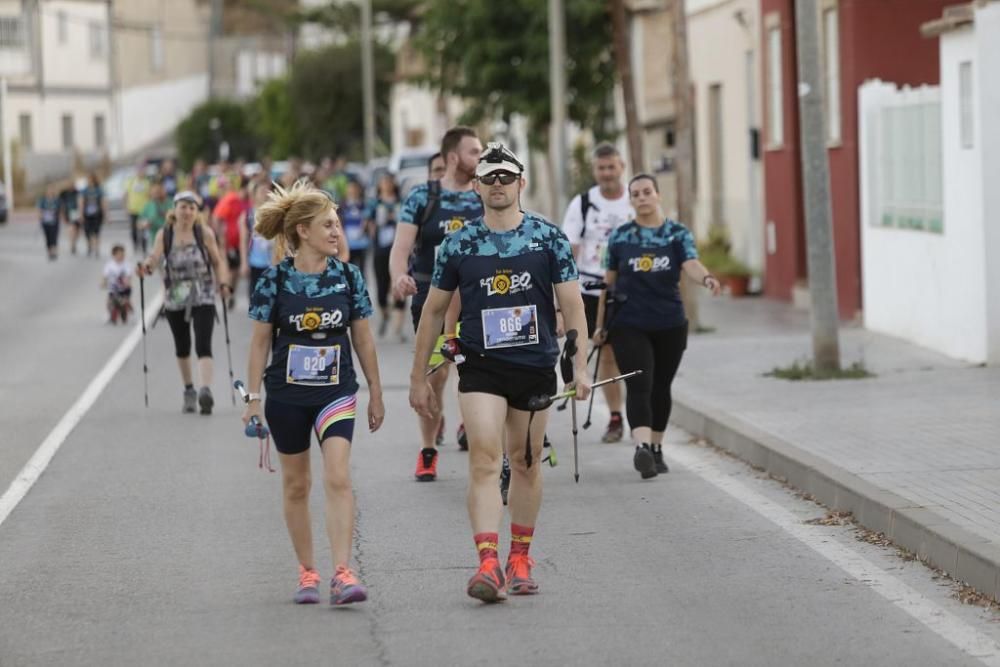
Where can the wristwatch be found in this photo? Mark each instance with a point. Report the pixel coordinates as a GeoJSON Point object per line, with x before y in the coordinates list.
{"type": "Point", "coordinates": [253, 397]}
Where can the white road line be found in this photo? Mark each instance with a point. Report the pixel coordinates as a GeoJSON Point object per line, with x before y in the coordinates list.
{"type": "Point", "coordinates": [40, 460]}
{"type": "Point", "coordinates": [936, 618]}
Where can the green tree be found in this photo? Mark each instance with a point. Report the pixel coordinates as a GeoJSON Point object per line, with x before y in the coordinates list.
{"type": "Point", "coordinates": [273, 118]}
{"type": "Point", "coordinates": [325, 93]}
{"type": "Point", "coordinates": [496, 57]}
{"type": "Point", "coordinates": [208, 125]}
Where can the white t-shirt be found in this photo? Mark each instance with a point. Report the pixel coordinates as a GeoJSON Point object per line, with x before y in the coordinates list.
{"type": "Point", "coordinates": [116, 273]}
{"type": "Point", "coordinates": [603, 217]}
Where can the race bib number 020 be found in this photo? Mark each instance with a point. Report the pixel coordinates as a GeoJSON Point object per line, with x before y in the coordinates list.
{"type": "Point", "coordinates": [313, 366]}
{"type": "Point", "coordinates": [510, 327]}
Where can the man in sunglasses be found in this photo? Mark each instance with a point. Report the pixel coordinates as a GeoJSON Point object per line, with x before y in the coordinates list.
{"type": "Point", "coordinates": [510, 268]}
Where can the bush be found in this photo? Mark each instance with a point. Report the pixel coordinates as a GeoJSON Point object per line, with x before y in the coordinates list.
{"type": "Point", "coordinates": [196, 139]}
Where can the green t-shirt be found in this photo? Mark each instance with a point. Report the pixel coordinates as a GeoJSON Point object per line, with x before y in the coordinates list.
{"type": "Point", "coordinates": [156, 213]}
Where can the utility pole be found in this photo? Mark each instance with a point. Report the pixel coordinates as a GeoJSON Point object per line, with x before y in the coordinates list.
{"type": "Point", "coordinates": [623, 61]}
{"type": "Point", "coordinates": [816, 189]}
{"type": "Point", "coordinates": [368, 79]}
{"type": "Point", "coordinates": [557, 80]}
{"type": "Point", "coordinates": [214, 32]}
{"type": "Point", "coordinates": [683, 139]}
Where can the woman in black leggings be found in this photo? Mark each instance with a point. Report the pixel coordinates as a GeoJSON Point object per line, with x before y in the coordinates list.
{"type": "Point", "coordinates": [644, 260]}
{"type": "Point", "coordinates": [193, 270]}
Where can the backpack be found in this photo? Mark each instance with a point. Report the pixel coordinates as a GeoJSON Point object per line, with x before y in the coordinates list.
{"type": "Point", "coordinates": [585, 204]}
{"type": "Point", "coordinates": [427, 210]}
{"type": "Point", "coordinates": [279, 281]}
{"type": "Point", "coordinates": [168, 242]}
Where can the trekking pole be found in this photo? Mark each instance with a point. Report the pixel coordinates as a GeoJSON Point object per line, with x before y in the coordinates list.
{"type": "Point", "coordinates": [229, 353]}
{"type": "Point", "coordinates": [451, 353]}
{"type": "Point", "coordinates": [615, 300]}
{"type": "Point", "coordinates": [142, 315]}
{"type": "Point", "coordinates": [569, 377]}
{"type": "Point", "coordinates": [254, 429]}
{"type": "Point", "coordinates": [562, 406]}
{"type": "Point", "coordinates": [537, 403]}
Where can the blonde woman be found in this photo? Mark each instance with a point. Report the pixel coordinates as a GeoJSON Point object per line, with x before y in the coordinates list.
{"type": "Point", "coordinates": [193, 270]}
{"type": "Point", "coordinates": [308, 312]}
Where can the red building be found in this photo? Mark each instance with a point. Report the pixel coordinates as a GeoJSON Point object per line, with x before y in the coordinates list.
{"type": "Point", "coordinates": [859, 40]}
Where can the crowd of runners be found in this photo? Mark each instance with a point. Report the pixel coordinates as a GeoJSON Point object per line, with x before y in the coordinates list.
{"type": "Point", "coordinates": [501, 294]}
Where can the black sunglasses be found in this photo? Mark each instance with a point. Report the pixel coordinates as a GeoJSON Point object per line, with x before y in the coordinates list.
{"type": "Point", "coordinates": [505, 178]}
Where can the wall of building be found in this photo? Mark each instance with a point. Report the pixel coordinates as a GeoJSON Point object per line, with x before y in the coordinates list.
{"type": "Point", "coordinates": [736, 70]}
{"type": "Point", "coordinates": [182, 26]}
{"type": "Point", "coordinates": [153, 111]}
{"type": "Point", "coordinates": [987, 82]}
{"type": "Point", "coordinates": [76, 41]}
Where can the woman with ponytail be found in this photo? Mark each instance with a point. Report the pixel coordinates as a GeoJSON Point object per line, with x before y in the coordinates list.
{"type": "Point", "coordinates": [192, 270]}
{"type": "Point", "coordinates": [309, 311]}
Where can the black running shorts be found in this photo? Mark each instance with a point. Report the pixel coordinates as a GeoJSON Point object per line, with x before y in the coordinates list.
{"type": "Point", "coordinates": [517, 384]}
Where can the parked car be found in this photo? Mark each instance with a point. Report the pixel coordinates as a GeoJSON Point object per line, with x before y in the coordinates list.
{"type": "Point", "coordinates": [410, 166]}
{"type": "Point", "coordinates": [114, 192]}
{"type": "Point", "coordinates": [3, 203]}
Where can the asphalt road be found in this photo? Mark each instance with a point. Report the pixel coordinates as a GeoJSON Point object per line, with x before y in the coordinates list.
{"type": "Point", "coordinates": [153, 538]}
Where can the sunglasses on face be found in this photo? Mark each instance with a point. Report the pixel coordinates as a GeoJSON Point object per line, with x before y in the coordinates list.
{"type": "Point", "coordinates": [505, 178]}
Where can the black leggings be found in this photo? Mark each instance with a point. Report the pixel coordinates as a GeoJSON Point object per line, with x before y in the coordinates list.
{"type": "Point", "coordinates": [657, 354]}
{"type": "Point", "coordinates": [383, 280]}
{"type": "Point", "coordinates": [203, 318]}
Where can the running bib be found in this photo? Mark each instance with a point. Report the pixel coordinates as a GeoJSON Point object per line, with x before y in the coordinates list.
{"type": "Point", "coordinates": [48, 216]}
{"type": "Point", "coordinates": [355, 233]}
{"type": "Point", "coordinates": [313, 366]}
{"type": "Point", "coordinates": [180, 292]}
{"type": "Point", "coordinates": [510, 327]}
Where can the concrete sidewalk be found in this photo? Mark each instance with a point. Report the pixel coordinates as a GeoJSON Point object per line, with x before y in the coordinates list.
{"type": "Point", "coordinates": [914, 453]}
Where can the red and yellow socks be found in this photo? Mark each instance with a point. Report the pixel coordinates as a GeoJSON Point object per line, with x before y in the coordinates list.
{"type": "Point", "coordinates": [486, 544]}
{"type": "Point", "coordinates": [520, 539]}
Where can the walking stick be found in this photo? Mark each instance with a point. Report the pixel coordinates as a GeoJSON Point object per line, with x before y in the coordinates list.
{"type": "Point", "coordinates": [614, 301]}
{"type": "Point", "coordinates": [562, 406]}
{"type": "Point", "coordinates": [568, 376]}
{"type": "Point", "coordinates": [142, 316]}
{"type": "Point", "coordinates": [541, 402]}
{"type": "Point", "coordinates": [229, 353]}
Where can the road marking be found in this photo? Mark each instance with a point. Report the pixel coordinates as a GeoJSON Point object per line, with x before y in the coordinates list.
{"type": "Point", "coordinates": [945, 624]}
{"type": "Point", "coordinates": [40, 460]}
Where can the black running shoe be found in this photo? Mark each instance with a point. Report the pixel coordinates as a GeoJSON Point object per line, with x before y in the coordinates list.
{"type": "Point", "coordinates": [190, 398]}
{"type": "Point", "coordinates": [463, 439]}
{"type": "Point", "coordinates": [661, 466]}
{"type": "Point", "coordinates": [205, 401]}
{"type": "Point", "coordinates": [644, 462]}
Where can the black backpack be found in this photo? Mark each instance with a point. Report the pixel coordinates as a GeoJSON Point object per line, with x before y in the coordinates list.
{"type": "Point", "coordinates": [168, 243]}
{"type": "Point", "coordinates": [427, 210]}
{"type": "Point", "coordinates": [585, 205]}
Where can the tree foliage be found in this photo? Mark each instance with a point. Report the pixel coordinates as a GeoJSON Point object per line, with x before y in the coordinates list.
{"type": "Point", "coordinates": [326, 98]}
{"type": "Point", "coordinates": [273, 118]}
{"type": "Point", "coordinates": [196, 137]}
{"type": "Point", "coordinates": [496, 57]}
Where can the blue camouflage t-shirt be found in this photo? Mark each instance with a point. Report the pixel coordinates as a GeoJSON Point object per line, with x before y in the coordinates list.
{"type": "Point", "coordinates": [454, 209]}
{"type": "Point", "coordinates": [505, 281]}
{"type": "Point", "coordinates": [648, 262]}
{"type": "Point", "coordinates": [311, 360]}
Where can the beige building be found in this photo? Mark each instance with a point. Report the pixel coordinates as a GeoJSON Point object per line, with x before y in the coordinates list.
{"type": "Point", "coordinates": [725, 72]}
{"type": "Point", "coordinates": [160, 68]}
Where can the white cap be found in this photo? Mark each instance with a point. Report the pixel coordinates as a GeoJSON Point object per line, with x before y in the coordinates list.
{"type": "Point", "coordinates": [498, 157]}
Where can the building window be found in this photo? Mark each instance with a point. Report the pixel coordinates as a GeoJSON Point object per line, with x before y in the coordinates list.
{"type": "Point", "coordinates": [831, 73]}
{"type": "Point", "coordinates": [100, 131]}
{"type": "Point", "coordinates": [156, 48]}
{"type": "Point", "coordinates": [11, 32]}
{"type": "Point", "coordinates": [63, 23]}
{"type": "Point", "coordinates": [965, 103]}
{"type": "Point", "coordinates": [24, 130]}
{"type": "Point", "coordinates": [775, 98]}
{"type": "Point", "coordinates": [67, 131]}
{"type": "Point", "coordinates": [98, 43]}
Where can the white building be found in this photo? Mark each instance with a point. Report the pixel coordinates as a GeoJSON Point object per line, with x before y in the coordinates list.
{"type": "Point", "coordinates": [930, 202]}
{"type": "Point", "coordinates": [55, 56]}
{"type": "Point", "coordinates": [724, 51]}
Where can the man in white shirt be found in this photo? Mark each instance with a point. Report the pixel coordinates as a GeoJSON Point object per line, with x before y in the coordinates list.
{"type": "Point", "coordinates": [589, 221]}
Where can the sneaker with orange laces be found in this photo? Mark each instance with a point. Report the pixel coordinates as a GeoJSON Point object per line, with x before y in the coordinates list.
{"type": "Point", "coordinates": [308, 591]}
{"type": "Point", "coordinates": [427, 465]}
{"type": "Point", "coordinates": [519, 581]}
{"type": "Point", "coordinates": [488, 583]}
{"type": "Point", "coordinates": [345, 587]}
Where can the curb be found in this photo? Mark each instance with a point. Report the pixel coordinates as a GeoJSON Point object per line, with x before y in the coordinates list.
{"type": "Point", "coordinates": [958, 552]}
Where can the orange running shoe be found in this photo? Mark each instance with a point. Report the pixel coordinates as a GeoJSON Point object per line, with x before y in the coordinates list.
{"type": "Point", "coordinates": [427, 465]}
{"type": "Point", "coordinates": [488, 583]}
{"type": "Point", "coordinates": [308, 592]}
{"type": "Point", "coordinates": [519, 581]}
{"type": "Point", "coordinates": [345, 587]}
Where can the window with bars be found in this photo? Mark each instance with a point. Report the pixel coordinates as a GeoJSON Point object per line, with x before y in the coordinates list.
{"type": "Point", "coordinates": [11, 32]}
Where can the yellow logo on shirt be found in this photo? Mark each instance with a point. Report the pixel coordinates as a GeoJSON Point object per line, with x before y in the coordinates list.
{"type": "Point", "coordinates": [505, 281]}
{"type": "Point", "coordinates": [647, 263]}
